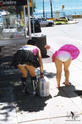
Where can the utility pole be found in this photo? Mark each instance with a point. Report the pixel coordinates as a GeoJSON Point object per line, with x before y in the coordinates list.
{"type": "Point", "coordinates": [33, 18]}
{"type": "Point", "coordinates": [43, 9]}
{"type": "Point", "coordinates": [25, 26]}
{"type": "Point", "coordinates": [51, 9]}
{"type": "Point", "coordinates": [29, 23]}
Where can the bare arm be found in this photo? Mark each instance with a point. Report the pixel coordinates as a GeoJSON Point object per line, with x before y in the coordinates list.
{"type": "Point", "coordinates": [40, 60]}
{"type": "Point", "coordinates": [48, 47]}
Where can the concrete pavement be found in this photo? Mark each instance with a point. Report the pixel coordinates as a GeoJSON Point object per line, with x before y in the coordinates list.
{"type": "Point", "coordinates": [20, 109]}
{"type": "Point", "coordinates": [63, 106]}
{"type": "Point", "coordinates": [58, 107]}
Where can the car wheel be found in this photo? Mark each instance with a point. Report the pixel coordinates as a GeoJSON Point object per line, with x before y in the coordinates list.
{"type": "Point", "coordinates": [50, 24]}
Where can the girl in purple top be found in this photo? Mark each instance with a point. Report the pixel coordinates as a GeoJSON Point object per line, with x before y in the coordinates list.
{"type": "Point", "coordinates": [28, 58]}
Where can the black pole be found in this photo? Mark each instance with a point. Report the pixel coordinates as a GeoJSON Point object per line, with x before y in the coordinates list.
{"type": "Point", "coordinates": [43, 9]}
{"type": "Point", "coordinates": [51, 9]}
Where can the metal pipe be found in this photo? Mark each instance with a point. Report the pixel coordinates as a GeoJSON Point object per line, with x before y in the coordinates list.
{"type": "Point", "coordinates": [29, 24]}
{"type": "Point", "coordinates": [43, 9]}
{"type": "Point", "coordinates": [51, 9]}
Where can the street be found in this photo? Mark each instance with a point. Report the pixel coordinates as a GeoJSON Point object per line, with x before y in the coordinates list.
{"type": "Point", "coordinates": [59, 35]}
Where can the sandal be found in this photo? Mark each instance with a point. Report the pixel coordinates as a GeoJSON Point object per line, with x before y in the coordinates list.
{"type": "Point", "coordinates": [67, 84]}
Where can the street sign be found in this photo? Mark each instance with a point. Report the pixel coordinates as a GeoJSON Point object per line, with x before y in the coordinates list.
{"type": "Point", "coordinates": [30, 3]}
{"type": "Point", "coordinates": [63, 6]}
{"type": "Point", "coordinates": [14, 2]}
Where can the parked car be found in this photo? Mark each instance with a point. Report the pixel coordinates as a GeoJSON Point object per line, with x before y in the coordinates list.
{"type": "Point", "coordinates": [71, 20]}
{"type": "Point", "coordinates": [44, 22]}
{"type": "Point", "coordinates": [35, 25]}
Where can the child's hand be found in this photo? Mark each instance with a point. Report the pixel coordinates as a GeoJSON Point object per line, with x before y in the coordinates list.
{"type": "Point", "coordinates": [42, 75]}
{"type": "Point", "coordinates": [47, 46]}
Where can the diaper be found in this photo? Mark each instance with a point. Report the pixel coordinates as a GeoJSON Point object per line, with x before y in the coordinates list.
{"type": "Point", "coordinates": [63, 56]}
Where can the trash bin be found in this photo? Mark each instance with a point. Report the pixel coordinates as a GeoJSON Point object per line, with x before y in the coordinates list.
{"type": "Point", "coordinates": [40, 42]}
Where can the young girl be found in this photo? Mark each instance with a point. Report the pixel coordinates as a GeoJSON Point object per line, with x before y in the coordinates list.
{"type": "Point", "coordinates": [27, 58]}
{"type": "Point", "coordinates": [64, 56]}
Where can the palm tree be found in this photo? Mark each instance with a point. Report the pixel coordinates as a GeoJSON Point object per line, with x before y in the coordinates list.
{"type": "Point", "coordinates": [51, 9]}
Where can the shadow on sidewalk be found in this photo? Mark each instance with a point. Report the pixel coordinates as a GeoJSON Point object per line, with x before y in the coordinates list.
{"type": "Point", "coordinates": [6, 103]}
{"type": "Point", "coordinates": [11, 77]}
{"type": "Point", "coordinates": [30, 103]}
{"type": "Point", "coordinates": [49, 74]}
{"type": "Point", "coordinates": [27, 102]}
{"type": "Point", "coordinates": [67, 91]}
{"type": "Point", "coordinates": [79, 93]}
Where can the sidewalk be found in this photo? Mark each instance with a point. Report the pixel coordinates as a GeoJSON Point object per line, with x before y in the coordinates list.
{"type": "Point", "coordinates": [15, 108]}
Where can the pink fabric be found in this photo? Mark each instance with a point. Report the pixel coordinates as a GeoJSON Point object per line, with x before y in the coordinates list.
{"type": "Point", "coordinates": [35, 51]}
{"type": "Point", "coordinates": [30, 47]}
{"type": "Point", "coordinates": [73, 50]}
{"type": "Point", "coordinates": [53, 56]}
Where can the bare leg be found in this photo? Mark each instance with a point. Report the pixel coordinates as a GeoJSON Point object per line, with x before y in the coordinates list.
{"type": "Point", "coordinates": [66, 70]}
{"type": "Point", "coordinates": [31, 69]}
{"type": "Point", "coordinates": [58, 64]}
{"type": "Point", "coordinates": [23, 70]}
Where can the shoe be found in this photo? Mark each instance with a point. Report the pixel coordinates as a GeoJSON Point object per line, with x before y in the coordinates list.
{"type": "Point", "coordinates": [67, 84]}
